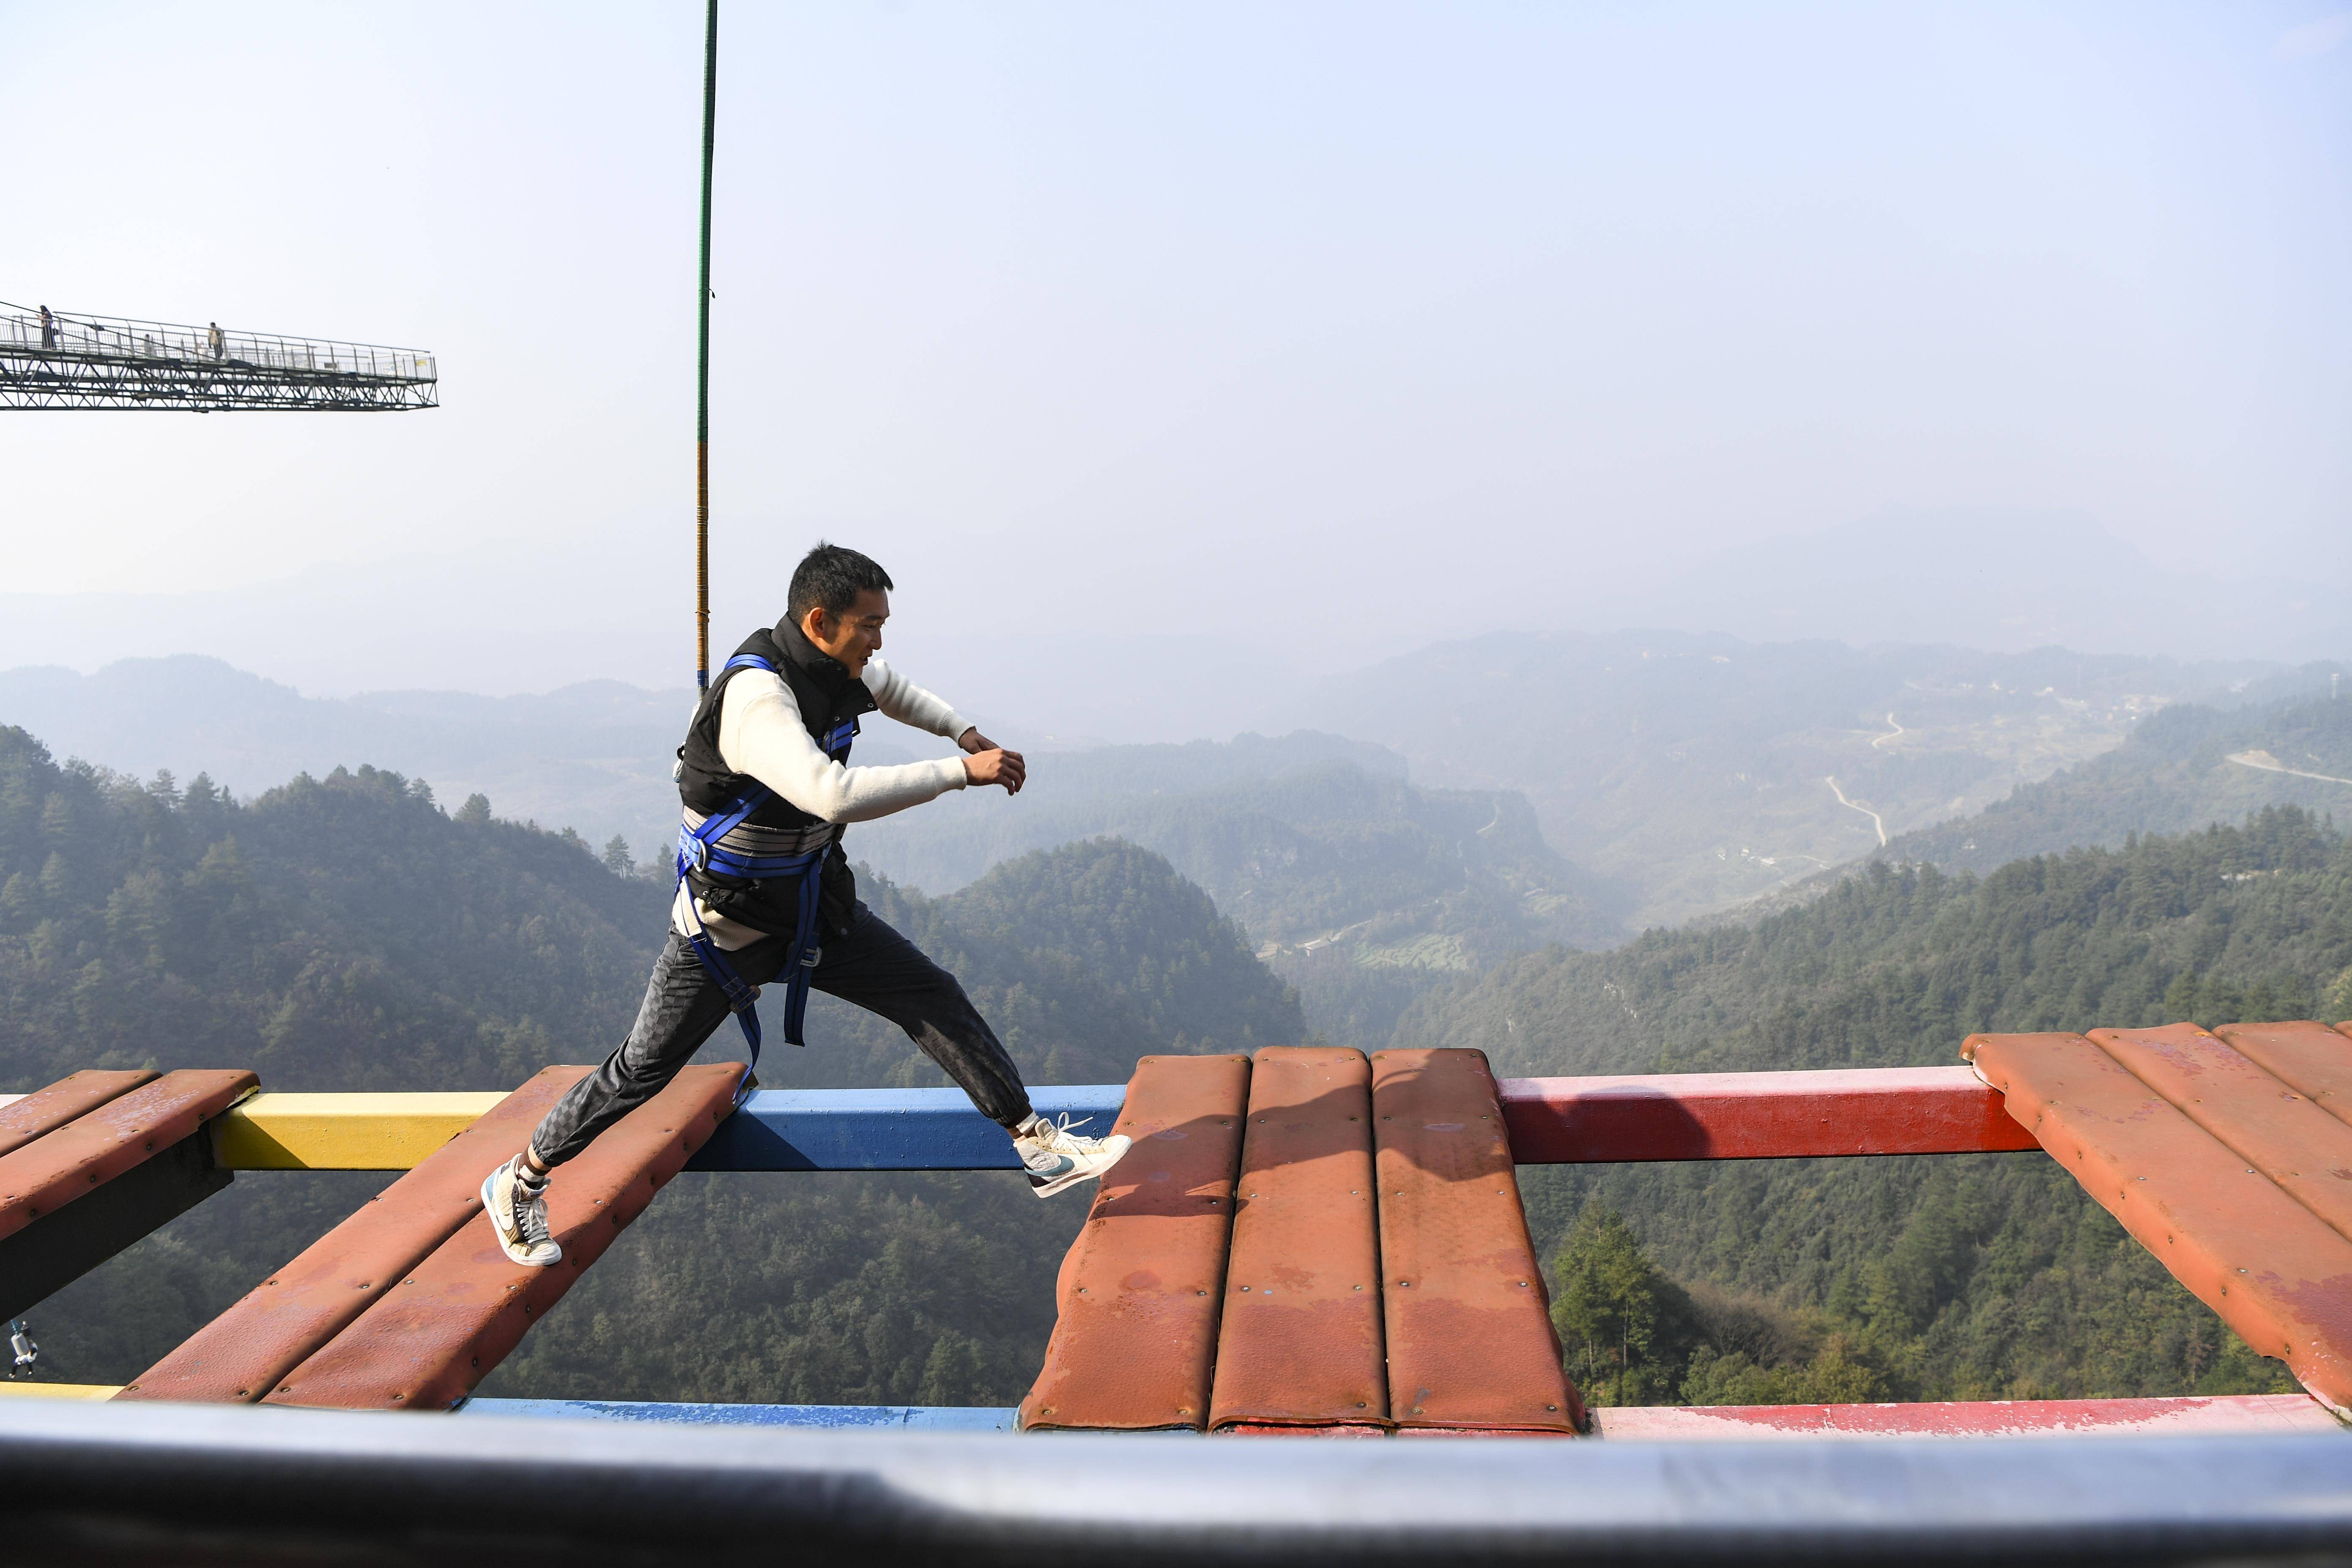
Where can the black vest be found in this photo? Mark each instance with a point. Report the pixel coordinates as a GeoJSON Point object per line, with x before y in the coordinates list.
{"type": "Point", "coordinates": [829, 697]}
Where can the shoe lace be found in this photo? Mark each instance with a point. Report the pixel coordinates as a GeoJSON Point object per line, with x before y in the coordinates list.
{"type": "Point", "coordinates": [1057, 1137]}
{"type": "Point", "coordinates": [531, 1218]}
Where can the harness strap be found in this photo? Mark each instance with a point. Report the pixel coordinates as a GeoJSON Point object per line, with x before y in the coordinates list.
{"type": "Point", "coordinates": [697, 850]}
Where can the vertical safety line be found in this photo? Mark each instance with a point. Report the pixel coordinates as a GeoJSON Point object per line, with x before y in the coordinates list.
{"type": "Point", "coordinates": [702, 372]}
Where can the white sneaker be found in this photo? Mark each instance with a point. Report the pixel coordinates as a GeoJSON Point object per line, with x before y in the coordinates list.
{"type": "Point", "coordinates": [1056, 1157]}
{"type": "Point", "coordinates": [519, 1217]}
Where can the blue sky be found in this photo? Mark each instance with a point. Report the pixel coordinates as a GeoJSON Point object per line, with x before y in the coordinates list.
{"type": "Point", "coordinates": [1441, 318]}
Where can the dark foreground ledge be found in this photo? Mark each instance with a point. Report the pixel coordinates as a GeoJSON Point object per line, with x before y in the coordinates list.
{"type": "Point", "coordinates": [187, 1484]}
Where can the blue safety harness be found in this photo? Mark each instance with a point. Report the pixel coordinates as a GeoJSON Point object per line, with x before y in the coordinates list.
{"type": "Point", "coordinates": [699, 849]}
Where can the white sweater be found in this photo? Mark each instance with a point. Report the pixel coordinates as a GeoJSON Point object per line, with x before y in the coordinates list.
{"type": "Point", "coordinates": [760, 734]}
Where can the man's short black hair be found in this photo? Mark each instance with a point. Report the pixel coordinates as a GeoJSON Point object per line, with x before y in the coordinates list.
{"type": "Point", "coordinates": [831, 577]}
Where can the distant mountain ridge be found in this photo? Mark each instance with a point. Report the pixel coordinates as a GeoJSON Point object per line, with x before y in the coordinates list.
{"type": "Point", "coordinates": [594, 756]}
{"type": "Point", "coordinates": [1703, 770]}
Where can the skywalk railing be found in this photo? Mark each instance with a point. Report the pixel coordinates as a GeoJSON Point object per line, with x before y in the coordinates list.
{"type": "Point", "coordinates": [87, 1481]}
{"type": "Point", "coordinates": [57, 360]}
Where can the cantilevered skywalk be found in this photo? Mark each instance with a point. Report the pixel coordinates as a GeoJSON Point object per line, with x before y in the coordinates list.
{"type": "Point", "coordinates": [57, 360]}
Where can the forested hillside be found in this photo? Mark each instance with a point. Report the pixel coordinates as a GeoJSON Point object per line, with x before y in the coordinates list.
{"type": "Point", "coordinates": [345, 933]}
{"type": "Point", "coordinates": [1982, 1276]}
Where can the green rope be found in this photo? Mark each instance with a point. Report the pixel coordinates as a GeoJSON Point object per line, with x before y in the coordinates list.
{"type": "Point", "coordinates": [702, 372]}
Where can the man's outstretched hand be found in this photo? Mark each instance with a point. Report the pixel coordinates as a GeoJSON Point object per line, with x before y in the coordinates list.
{"type": "Point", "coordinates": [989, 764]}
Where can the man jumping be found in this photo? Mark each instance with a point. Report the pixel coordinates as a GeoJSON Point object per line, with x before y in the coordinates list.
{"type": "Point", "coordinates": [763, 890]}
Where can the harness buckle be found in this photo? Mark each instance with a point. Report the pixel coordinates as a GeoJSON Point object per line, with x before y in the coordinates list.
{"type": "Point", "coordinates": [810, 955]}
{"type": "Point", "coordinates": [697, 852]}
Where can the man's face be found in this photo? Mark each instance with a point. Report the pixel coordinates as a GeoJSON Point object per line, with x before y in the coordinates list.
{"type": "Point", "coordinates": [853, 636]}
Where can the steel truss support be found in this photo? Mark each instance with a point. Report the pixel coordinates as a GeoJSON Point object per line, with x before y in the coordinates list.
{"type": "Point", "coordinates": [52, 361]}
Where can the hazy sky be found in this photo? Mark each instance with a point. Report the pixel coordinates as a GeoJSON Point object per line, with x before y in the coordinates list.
{"type": "Point", "coordinates": [1326, 328]}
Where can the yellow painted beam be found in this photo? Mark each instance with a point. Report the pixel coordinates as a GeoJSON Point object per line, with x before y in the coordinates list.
{"type": "Point", "coordinates": [343, 1131]}
{"type": "Point", "coordinates": [59, 1390]}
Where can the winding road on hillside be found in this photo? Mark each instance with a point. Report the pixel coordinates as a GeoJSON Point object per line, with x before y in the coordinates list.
{"type": "Point", "coordinates": [1890, 735]}
{"type": "Point", "coordinates": [1875, 820]}
{"type": "Point", "coordinates": [2270, 764]}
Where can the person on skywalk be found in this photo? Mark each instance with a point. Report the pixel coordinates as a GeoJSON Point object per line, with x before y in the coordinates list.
{"type": "Point", "coordinates": [764, 891]}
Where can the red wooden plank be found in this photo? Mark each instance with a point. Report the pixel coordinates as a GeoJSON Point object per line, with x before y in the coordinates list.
{"type": "Point", "coordinates": [1139, 1289]}
{"type": "Point", "coordinates": [1754, 1116]}
{"type": "Point", "coordinates": [1470, 1339]}
{"type": "Point", "coordinates": [2270, 1268]}
{"type": "Point", "coordinates": [2262, 1120]}
{"type": "Point", "coordinates": [102, 1143]}
{"type": "Point", "coordinates": [1300, 1345]}
{"type": "Point", "coordinates": [434, 1336]}
{"type": "Point", "coordinates": [1988, 1418]}
{"type": "Point", "coordinates": [248, 1350]}
{"type": "Point", "coordinates": [45, 1110]}
{"type": "Point", "coordinates": [2310, 1058]}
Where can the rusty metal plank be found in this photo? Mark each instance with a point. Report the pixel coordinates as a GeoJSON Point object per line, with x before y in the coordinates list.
{"type": "Point", "coordinates": [102, 1143]}
{"type": "Point", "coordinates": [1301, 1341]}
{"type": "Point", "coordinates": [248, 1350]}
{"type": "Point", "coordinates": [2182, 1416]}
{"type": "Point", "coordinates": [1754, 1116]}
{"type": "Point", "coordinates": [431, 1338]}
{"type": "Point", "coordinates": [2310, 1059]}
{"type": "Point", "coordinates": [2263, 1122]}
{"type": "Point", "coordinates": [1139, 1289]}
{"type": "Point", "coordinates": [2274, 1271]}
{"type": "Point", "coordinates": [62, 1246]}
{"type": "Point", "coordinates": [45, 1110]}
{"type": "Point", "coordinates": [1295, 1429]}
{"type": "Point", "coordinates": [1470, 1339]}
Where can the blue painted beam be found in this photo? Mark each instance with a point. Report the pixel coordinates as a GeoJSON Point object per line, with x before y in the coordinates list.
{"type": "Point", "coordinates": [867, 1417]}
{"type": "Point", "coordinates": [888, 1129]}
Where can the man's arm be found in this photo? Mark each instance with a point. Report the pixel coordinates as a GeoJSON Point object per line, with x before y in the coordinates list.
{"type": "Point", "coordinates": [909, 703]}
{"type": "Point", "coordinates": [901, 698]}
{"type": "Point", "coordinates": [761, 733]}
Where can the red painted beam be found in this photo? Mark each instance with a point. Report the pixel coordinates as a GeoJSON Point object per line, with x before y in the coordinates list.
{"type": "Point", "coordinates": [1755, 1116]}
{"type": "Point", "coordinates": [1957, 1418]}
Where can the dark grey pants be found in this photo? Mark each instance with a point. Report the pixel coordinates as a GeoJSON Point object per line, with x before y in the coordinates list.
{"type": "Point", "coordinates": [872, 966]}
